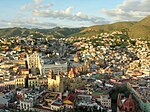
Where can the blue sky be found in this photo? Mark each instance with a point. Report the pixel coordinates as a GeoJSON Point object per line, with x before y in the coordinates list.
{"type": "Point", "coordinates": [69, 13]}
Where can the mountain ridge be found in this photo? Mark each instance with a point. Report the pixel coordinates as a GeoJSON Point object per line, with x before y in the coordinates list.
{"type": "Point", "coordinates": [135, 29]}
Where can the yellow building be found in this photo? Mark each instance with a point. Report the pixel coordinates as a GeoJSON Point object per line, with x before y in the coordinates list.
{"type": "Point", "coordinates": [33, 82]}
{"type": "Point", "coordinates": [69, 100]}
{"type": "Point", "coordinates": [55, 82]}
{"type": "Point", "coordinates": [76, 58]}
{"type": "Point", "coordinates": [43, 81]}
{"type": "Point", "coordinates": [17, 48]}
{"type": "Point", "coordinates": [15, 68]}
{"type": "Point", "coordinates": [20, 62]}
{"type": "Point", "coordinates": [24, 71]}
{"type": "Point", "coordinates": [20, 81]}
{"type": "Point", "coordinates": [71, 73]}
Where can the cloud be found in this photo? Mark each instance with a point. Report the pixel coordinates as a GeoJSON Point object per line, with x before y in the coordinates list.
{"type": "Point", "coordinates": [38, 1]}
{"type": "Point", "coordinates": [36, 6]}
{"type": "Point", "coordinates": [37, 14]}
{"type": "Point", "coordinates": [28, 23]}
{"type": "Point", "coordinates": [68, 15]}
{"type": "Point", "coordinates": [129, 10]}
{"type": "Point", "coordinates": [96, 20]}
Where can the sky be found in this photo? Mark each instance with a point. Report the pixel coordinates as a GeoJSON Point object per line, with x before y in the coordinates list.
{"type": "Point", "coordinates": [70, 13]}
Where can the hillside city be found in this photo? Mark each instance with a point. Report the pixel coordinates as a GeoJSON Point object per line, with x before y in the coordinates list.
{"type": "Point", "coordinates": [108, 72]}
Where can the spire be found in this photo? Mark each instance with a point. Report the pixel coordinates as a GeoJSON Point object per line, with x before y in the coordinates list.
{"type": "Point", "coordinates": [129, 104]}
{"type": "Point", "coordinates": [119, 100]}
{"type": "Point", "coordinates": [76, 58]}
{"type": "Point", "coordinates": [71, 73]}
{"type": "Point", "coordinates": [51, 73]}
{"type": "Point", "coordinates": [130, 98]}
{"type": "Point", "coordinates": [59, 73]}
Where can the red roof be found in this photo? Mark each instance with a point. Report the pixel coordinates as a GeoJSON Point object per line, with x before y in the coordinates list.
{"type": "Point", "coordinates": [71, 97]}
{"type": "Point", "coordinates": [129, 104]}
{"type": "Point", "coordinates": [129, 101]}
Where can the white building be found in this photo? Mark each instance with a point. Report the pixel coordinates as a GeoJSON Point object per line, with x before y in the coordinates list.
{"type": "Point", "coordinates": [29, 101]}
{"type": "Point", "coordinates": [35, 61]}
{"type": "Point", "coordinates": [105, 101]}
{"type": "Point", "coordinates": [26, 104]}
{"type": "Point", "coordinates": [57, 67]}
{"type": "Point", "coordinates": [56, 105]}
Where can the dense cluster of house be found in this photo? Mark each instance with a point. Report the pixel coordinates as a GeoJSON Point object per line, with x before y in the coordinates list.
{"type": "Point", "coordinates": [74, 73]}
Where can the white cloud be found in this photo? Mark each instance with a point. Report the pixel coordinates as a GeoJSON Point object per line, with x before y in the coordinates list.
{"type": "Point", "coordinates": [41, 14]}
{"type": "Point", "coordinates": [69, 15]}
{"type": "Point", "coordinates": [38, 1]}
{"type": "Point", "coordinates": [95, 20]}
{"type": "Point", "coordinates": [129, 10]}
{"type": "Point", "coordinates": [81, 15]}
{"type": "Point", "coordinates": [28, 23]}
{"type": "Point", "coordinates": [36, 6]}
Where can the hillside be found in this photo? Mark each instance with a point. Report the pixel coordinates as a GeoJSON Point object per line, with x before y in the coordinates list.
{"type": "Point", "coordinates": [140, 29]}
{"type": "Point", "coordinates": [56, 32]}
{"type": "Point", "coordinates": [110, 27]}
{"type": "Point", "coordinates": [94, 30]}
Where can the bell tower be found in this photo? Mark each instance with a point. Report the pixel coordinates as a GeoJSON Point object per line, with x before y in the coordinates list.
{"type": "Point", "coordinates": [71, 73]}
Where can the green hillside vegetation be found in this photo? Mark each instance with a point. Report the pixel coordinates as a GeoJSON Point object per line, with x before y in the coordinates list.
{"type": "Point", "coordinates": [110, 27]}
{"type": "Point", "coordinates": [54, 32]}
{"type": "Point", "coordinates": [140, 29]}
{"type": "Point", "coordinates": [97, 29]}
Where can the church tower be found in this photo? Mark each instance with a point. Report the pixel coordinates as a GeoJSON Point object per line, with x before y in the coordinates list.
{"type": "Point", "coordinates": [51, 74]}
{"type": "Point", "coordinates": [34, 62]}
{"type": "Point", "coordinates": [71, 73]}
{"type": "Point", "coordinates": [51, 83]}
{"type": "Point", "coordinates": [76, 58]}
{"type": "Point", "coordinates": [129, 105]}
{"type": "Point", "coordinates": [60, 82]}
{"type": "Point", "coordinates": [55, 82]}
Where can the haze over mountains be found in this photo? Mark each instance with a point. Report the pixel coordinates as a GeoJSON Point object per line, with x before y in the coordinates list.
{"type": "Point", "coordinates": [139, 29]}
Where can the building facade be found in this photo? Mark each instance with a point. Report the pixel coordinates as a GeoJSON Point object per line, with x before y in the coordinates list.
{"type": "Point", "coordinates": [105, 101]}
{"type": "Point", "coordinates": [55, 82]}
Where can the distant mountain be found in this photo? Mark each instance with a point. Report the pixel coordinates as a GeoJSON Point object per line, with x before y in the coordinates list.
{"type": "Point", "coordinates": [94, 30]}
{"type": "Point", "coordinates": [110, 27]}
{"type": "Point", "coordinates": [56, 32]}
{"type": "Point", "coordinates": [140, 29]}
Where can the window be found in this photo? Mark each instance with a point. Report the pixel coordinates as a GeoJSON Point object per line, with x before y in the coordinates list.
{"type": "Point", "coordinates": [24, 106]}
{"type": "Point", "coordinates": [28, 106]}
{"type": "Point", "coordinates": [131, 109]}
